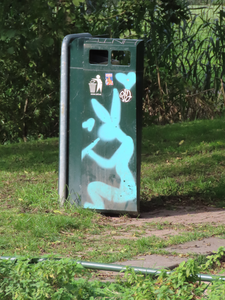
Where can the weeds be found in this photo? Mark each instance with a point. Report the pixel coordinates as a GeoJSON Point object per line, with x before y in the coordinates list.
{"type": "Point", "coordinates": [215, 260]}
{"type": "Point", "coordinates": [184, 67]}
{"type": "Point", "coordinates": [62, 280]}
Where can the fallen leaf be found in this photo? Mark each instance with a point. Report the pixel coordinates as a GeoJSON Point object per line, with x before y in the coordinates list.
{"type": "Point", "coordinates": [57, 211]}
{"type": "Point", "coordinates": [181, 142]}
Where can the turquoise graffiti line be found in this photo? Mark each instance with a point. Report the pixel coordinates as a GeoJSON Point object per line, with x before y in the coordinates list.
{"type": "Point", "coordinates": [127, 80]}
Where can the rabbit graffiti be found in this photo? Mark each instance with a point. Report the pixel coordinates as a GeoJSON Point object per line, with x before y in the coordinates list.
{"type": "Point", "coordinates": [109, 131]}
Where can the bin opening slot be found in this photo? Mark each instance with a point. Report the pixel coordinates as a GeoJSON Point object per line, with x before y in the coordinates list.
{"type": "Point", "coordinates": [120, 58]}
{"type": "Point", "coordinates": [98, 57]}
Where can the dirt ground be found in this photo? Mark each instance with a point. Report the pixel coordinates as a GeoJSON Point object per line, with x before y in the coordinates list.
{"type": "Point", "coordinates": [185, 215]}
{"type": "Point", "coordinates": [180, 215]}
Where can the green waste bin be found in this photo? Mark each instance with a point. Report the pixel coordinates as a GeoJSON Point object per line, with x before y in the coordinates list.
{"type": "Point", "coordinates": [104, 123]}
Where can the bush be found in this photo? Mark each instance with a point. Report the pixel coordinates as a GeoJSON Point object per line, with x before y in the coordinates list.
{"type": "Point", "coordinates": [184, 59]}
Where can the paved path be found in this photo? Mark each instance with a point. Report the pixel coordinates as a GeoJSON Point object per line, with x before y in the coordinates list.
{"type": "Point", "coordinates": [185, 216]}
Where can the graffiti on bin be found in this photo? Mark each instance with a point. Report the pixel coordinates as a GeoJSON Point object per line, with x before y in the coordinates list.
{"type": "Point", "coordinates": [108, 132]}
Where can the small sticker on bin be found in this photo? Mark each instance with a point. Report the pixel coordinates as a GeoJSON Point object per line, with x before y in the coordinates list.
{"type": "Point", "coordinates": [108, 78]}
{"type": "Point", "coordinates": [125, 95]}
{"type": "Point", "coordinates": [95, 86]}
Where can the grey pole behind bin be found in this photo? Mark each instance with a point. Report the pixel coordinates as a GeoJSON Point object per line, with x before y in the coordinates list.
{"type": "Point", "coordinates": [63, 113]}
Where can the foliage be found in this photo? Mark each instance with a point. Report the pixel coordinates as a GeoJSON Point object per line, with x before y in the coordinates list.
{"type": "Point", "coordinates": [49, 279]}
{"type": "Point", "coordinates": [61, 279]}
{"type": "Point", "coordinates": [183, 79]}
{"type": "Point", "coordinates": [30, 41]}
{"type": "Point", "coordinates": [215, 259]}
{"type": "Point", "coordinates": [184, 59]}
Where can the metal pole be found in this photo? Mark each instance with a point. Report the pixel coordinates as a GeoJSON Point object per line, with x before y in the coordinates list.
{"type": "Point", "coordinates": [63, 113]}
{"type": "Point", "coordinates": [119, 268]}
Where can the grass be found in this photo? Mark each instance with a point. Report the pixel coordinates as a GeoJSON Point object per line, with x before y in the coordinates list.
{"type": "Point", "coordinates": [182, 164]}
{"type": "Point", "coordinates": [185, 160]}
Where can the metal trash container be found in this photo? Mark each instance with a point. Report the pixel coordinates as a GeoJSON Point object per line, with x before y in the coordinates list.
{"type": "Point", "coordinates": [103, 135]}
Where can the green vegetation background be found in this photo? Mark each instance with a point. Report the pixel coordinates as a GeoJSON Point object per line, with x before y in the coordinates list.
{"type": "Point", "coordinates": [184, 58]}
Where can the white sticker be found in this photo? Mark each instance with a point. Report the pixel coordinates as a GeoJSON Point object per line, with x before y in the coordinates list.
{"type": "Point", "coordinates": [95, 86]}
{"type": "Point", "coordinates": [125, 95]}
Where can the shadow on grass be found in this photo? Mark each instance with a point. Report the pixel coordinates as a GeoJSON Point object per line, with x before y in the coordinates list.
{"type": "Point", "coordinates": [31, 156]}
{"type": "Point", "coordinates": [206, 165]}
{"type": "Point", "coordinates": [161, 158]}
{"type": "Point", "coordinates": [180, 138]}
{"type": "Point", "coordinates": [213, 197]}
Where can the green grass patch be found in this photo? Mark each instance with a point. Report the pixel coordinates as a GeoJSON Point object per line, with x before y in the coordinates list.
{"type": "Point", "coordinates": [185, 160]}
{"type": "Point", "coordinates": [182, 164]}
